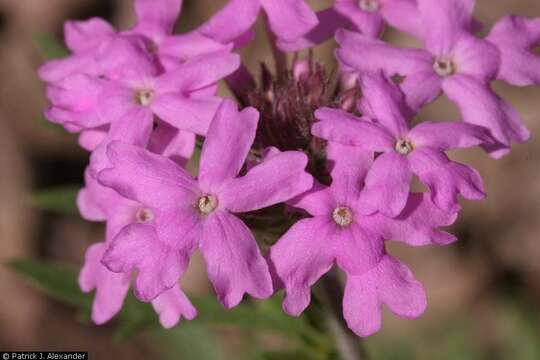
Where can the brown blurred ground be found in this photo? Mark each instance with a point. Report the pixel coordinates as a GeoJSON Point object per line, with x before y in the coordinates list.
{"type": "Point", "coordinates": [496, 262]}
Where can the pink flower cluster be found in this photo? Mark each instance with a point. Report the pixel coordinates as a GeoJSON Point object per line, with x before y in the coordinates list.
{"type": "Point", "coordinates": [139, 98]}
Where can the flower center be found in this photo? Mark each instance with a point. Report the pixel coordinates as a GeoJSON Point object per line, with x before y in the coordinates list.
{"type": "Point", "coordinates": [206, 204]}
{"type": "Point", "coordinates": [444, 67]}
{"type": "Point", "coordinates": [144, 215]}
{"type": "Point", "coordinates": [404, 147]}
{"type": "Point", "coordinates": [343, 216]}
{"type": "Point", "coordinates": [144, 97]}
{"type": "Point", "coordinates": [369, 5]}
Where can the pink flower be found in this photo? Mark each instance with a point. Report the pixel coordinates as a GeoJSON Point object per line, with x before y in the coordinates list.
{"type": "Point", "coordinates": [405, 151]}
{"type": "Point", "coordinates": [453, 61]}
{"type": "Point", "coordinates": [199, 214]}
{"type": "Point", "coordinates": [516, 37]}
{"type": "Point", "coordinates": [111, 290]}
{"type": "Point", "coordinates": [127, 106]}
{"type": "Point", "coordinates": [365, 16]}
{"type": "Point", "coordinates": [98, 203]}
{"type": "Point", "coordinates": [338, 233]}
{"type": "Point", "coordinates": [288, 19]}
{"type": "Point", "coordinates": [93, 40]}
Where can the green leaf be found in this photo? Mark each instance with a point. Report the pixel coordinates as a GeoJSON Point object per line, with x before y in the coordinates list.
{"type": "Point", "coordinates": [189, 342]}
{"type": "Point", "coordinates": [61, 200]}
{"type": "Point", "coordinates": [60, 282]}
{"type": "Point", "coordinates": [57, 280]}
{"type": "Point", "coordinates": [50, 47]}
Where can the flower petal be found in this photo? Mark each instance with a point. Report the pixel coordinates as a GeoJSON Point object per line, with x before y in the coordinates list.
{"type": "Point", "coordinates": [317, 201]}
{"type": "Point", "coordinates": [418, 223]}
{"type": "Point", "coordinates": [403, 15]}
{"type": "Point", "coordinates": [329, 21]}
{"type": "Point", "coordinates": [111, 288]}
{"type": "Point", "coordinates": [275, 180]}
{"type": "Point", "coordinates": [479, 105]}
{"type": "Point", "coordinates": [477, 58]}
{"type": "Point", "coordinates": [448, 135]}
{"type": "Point", "coordinates": [387, 185]}
{"type": "Point", "coordinates": [300, 258]}
{"type": "Point", "coordinates": [91, 138]}
{"type": "Point", "coordinates": [151, 179]}
{"type": "Point", "coordinates": [370, 55]}
{"type": "Point", "coordinates": [289, 19]}
{"type": "Point", "coordinates": [390, 283]}
{"type": "Point", "coordinates": [384, 103]}
{"type": "Point", "coordinates": [348, 167]}
{"type": "Point", "coordinates": [444, 22]}
{"type": "Point", "coordinates": [370, 24]}
{"type": "Point", "coordinates": [172, 305]}
{"type": "Point", "coordinates": [515, 37]}
{"type": "Point", "coordinates": [358, 249]}
{"type": "Point", "coordinates": [183, 47]}
{"type": "Point", "coordinates": [198, 72]}
{"type": "Point", "coordinates": [134, 128]}
{"type": "Point", "coordinates": [137, 248]}
{"type": "Point", "coordinates": [227, 145]}
{"type": "Point", "coordinates": [234, 263]}
{"type": "Point", "coordinates": [233, 21]}
{"type": "Point", "coordinates": [447, 182]}
{"type": "Point", "coordinates": [188, 114]}
{"type": "Point", "coordinates": [421, 88]}
{"type": "Point", "coordinates": [157, 18]}
{"type": "Point", "coordinates": [175, 144]}
{"type": "Point", "coordinates": [82, 35]}
{"type": "Point", "coordinates": [344, 128]}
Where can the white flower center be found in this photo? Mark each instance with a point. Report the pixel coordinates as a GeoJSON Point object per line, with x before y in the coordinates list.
{"type": "Point", "coordinates": [206, 204]}
{"type": "Point", "coordinates": [404, 147]}
{"type": "Point", "coordinates": [343, 216]}
{"type": "Point", "coordinates": [144, 97]}
{"type": "Point", "coordinates": [444, 67]}
{"type": "Point", "coordinates": [369, 5]}
{"type": "Point", "coordinates": [144, 215]}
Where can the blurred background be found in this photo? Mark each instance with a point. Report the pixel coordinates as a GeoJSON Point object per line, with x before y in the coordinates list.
{"type": "Point", "coordinates": [484, 291]}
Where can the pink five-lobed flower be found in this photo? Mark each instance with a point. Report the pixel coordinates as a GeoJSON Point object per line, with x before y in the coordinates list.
{"type": "Point", "coordinates": [288, 19]}
{"type": "Point", "coordinates": [366, 16]}
{"type": "Point", "coordinates": [93, 41]}
{"type": "Point", "coordinates": [454, 61]}
{"type": "Point", "coordinates": [404, 151]}
{"type": "Point", "coordinates": [99, 203]}
{"type": "Point", "coordinates": [200, 214]}
{"type": "Point", "coordinates": [338, 233]}
{"type": "Point", "coordinates": [516, 37]}
{"type": "Point", "coordinates": [128, 106]}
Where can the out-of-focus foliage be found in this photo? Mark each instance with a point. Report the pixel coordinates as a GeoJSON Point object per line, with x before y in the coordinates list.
{"type": "Point", "coordinates": [196, 339]}
{"type": "Point", "coordinates": [50, 47]}
{"type": "Point", "coordinates": [60, 200]}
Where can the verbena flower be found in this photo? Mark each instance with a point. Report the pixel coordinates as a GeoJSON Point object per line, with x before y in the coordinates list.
{"type": "Point", "coordinates": [454, 61]}
{"type": "Point", "coordinates": [183, 98]}
{"type": "Point", "coordinates": [365, 16]}
{"type": "Point", "coordinates": [138, 98]}
{"type": "Point", "coordinates": [516, 38]}
{"type": "Point", "coordinates": [199, 214]}
{"type": "Point", "coordinates": [404, 151]}
{"type": "Point", "coordinates": [288, 20]}
{"type": "Point", "coordinates": [338, 233]}
{"type": "Point", "coordinates": [98, 49]}
{"type": "Point", "coordinates": [99, 203]}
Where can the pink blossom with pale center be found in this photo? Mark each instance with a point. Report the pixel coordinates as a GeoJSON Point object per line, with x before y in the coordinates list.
{"type": "Point", "coordinates": [453, 61]}
{"type": "Point", "coordinates": [199, 214]}
{"type": "Point", "coordinates": [338, 233]}
{"type": "Point", "coordinates": [404, 151]}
